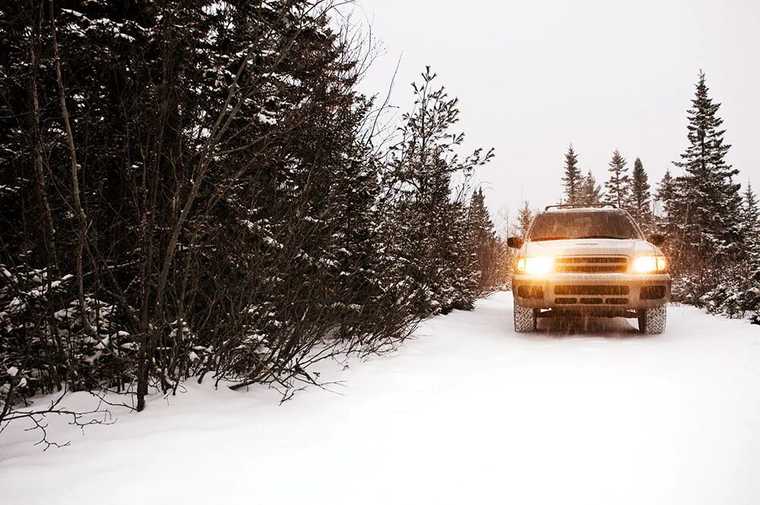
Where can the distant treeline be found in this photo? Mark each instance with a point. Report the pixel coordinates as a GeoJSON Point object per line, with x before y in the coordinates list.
{"type": "Point", "coordinates": [197, 189]}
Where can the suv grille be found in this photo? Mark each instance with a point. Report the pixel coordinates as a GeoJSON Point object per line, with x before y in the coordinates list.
{"type": "Point", "coordinates": [591, 290]}
{"type": "Point", "coordinates": [591, 295]}
{"type": "Point", "coordinates": [592, 264]}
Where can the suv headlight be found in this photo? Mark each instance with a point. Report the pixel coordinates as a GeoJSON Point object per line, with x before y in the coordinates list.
{"type": "Point", "coordinates": [649, 264]}
{"type": "Point", "coordinates": [535, 265]}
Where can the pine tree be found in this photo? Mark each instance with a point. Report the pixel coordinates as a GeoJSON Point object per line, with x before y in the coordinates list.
{"type": "Point", "coordinates": [640, 201]}
{"type": "Point", "coordinates": [750, 295]}
{"type": "Point", "coordinates": [704, 214]}
{"type": "Point", "coordinates": [572, 180]}
{"type": "Point", "coordinates": [485, 243]}
{"type": "Point", "coordinates": [665, 191]}
{"type": "Point", "coordinates": [591, 192]}
{"type": "Point", "coordinates": [738, 293]}
{"type": "Point", "coordinates": [750, 222]}
{"type": "Point", "coordinates": [665, 200]}
{"type": "Point", "coordinates": [437, 253]}
{"type": "Point", "coordinates": [618, 186]}
{"type": "Point", "coordinates": [524, 218]}
{"type": "Point", "coordinates": [709, 204]}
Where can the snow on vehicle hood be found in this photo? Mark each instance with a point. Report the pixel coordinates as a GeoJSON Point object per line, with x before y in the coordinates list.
{"type": "Point", "coordinates": [589, 247]}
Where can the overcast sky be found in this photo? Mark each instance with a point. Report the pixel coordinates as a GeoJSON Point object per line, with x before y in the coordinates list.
{"type": "Point", "coordinates": [534, 76]}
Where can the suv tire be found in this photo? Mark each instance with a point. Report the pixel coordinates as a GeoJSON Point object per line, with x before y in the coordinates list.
{"type": "Point", "coordinates": [524, 318]}
{"type": "Point", "coordinates": [653, 321]}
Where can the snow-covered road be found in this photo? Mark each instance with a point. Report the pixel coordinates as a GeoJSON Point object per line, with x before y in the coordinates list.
{"type": "Point", "coordinates": [467, 412]}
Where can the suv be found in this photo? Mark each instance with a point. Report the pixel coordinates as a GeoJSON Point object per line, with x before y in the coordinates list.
{"type": "Point", "coordinates": [589, 261]}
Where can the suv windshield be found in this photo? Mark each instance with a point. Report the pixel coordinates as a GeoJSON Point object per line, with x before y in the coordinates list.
{"type": "Point", "coordinates": [580, 225]}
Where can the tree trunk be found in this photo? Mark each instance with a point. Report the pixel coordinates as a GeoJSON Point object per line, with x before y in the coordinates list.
{"type": "Point", "coordinates": [81, 217]}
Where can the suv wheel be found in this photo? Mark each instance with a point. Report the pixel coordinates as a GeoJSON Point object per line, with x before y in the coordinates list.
{"type": "Point", "coordinates": [653, 321]}
{"type": "Point", "coordinates": [525, 318]}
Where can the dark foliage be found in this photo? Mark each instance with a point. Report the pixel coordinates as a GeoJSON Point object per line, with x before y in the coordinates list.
{"type": "Point", "coordinates": [190, 189]}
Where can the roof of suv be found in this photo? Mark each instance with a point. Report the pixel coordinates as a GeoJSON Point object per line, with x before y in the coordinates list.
{"type": "Point", "coordinates": [583, 209]}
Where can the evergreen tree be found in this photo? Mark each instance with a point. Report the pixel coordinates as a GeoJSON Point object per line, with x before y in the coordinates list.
{"type": "Point", "coordinates": [704, 213]}
{"type": "Point", "coordinates": [618, 185]}
{"type": "Point", "coordinates": [665, 195]}
{"type": "Point", "coordinates": [640, 200]}
{"type": "Point", "coordinates": [665, 191]}
{"type": "Point", "coordinates": [750, 221]}
{"type": "Point", "coordinates": [591, 192]}
{"type": "Point", "coordinates": [708, 208]}
{"type": "Point", "coordinates": [738, 292]}
{"type": "Point", "coordinates": [487, 247]}
{"type": "Point", "coordinates": [524, 218]}
{"type": "Point", "coordinates": [750, 282]}
{"type": "Point", "coordinates": [750, 296]}
{"type": "Point", "coordinates": [436, 250]}
{"type": "Point", "coordinates": [572, 180]}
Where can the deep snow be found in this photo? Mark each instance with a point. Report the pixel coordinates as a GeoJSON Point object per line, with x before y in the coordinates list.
{"type": "Point", "coordinates": [467, 412]}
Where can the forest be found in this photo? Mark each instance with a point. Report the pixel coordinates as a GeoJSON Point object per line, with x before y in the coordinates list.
{"type": "Point", "coordinates": [197, 190]}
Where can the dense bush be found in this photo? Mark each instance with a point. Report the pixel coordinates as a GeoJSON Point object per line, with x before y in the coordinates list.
{"type": "Point", "coordinates": [192, 189]}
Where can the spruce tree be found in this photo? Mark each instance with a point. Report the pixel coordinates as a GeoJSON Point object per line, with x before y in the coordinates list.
{"type": "Point", "coordinates": [665, 191]}
{"type": "Point", "coordinates": [750, 227]}
{"type": "Point", "coordinates": [707, 207]}
{"type": "Point", "coordinates": [738, 293]}
{"type": "Point", "coordinates": [750, 295]}
{"type": "Point", "coordinates": [640, 201]}
{"type": "Point", "coordinates": [524, 218]}
{"type": "Point", "coordinates": [750, 216]}
{"type": "Point", "coordinates": [665, 199]}
{"type": "Point", "coordinates": [618, 186]}
{"type": "Point", "coordinates": [591, 192]}
{"type": "Point", "coordinates": [572, 179]}
{"type": "Point", "coordinates": [485, 244]}
{"type": "Point", "coordinates": [704, 213]}
{"type": "Point", "coordinates": [437, 254]}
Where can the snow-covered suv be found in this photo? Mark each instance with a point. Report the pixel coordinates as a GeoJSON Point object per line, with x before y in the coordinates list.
{"type": "Point", "coordinates": [589, 261]}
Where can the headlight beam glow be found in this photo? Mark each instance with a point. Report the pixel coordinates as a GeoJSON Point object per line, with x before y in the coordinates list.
{"type": "Point", "coordinates": [536, 265]}
{"type": "Point", "coordinates": [649, 264]}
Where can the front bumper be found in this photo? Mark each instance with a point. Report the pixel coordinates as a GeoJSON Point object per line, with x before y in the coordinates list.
{"type": "Point", "coordinates": [613, 293]}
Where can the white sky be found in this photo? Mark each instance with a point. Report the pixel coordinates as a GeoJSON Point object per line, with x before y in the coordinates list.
{"type": "Point", "coordinates": [533, 76]}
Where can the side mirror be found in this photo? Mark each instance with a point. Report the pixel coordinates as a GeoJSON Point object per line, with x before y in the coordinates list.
{"type": "Point", "coordinates": [657, 239]}
{"type": "Point", "coordinates": [515, 242]}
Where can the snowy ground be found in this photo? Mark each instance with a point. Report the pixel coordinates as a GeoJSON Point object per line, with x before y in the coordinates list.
{"type": "Point", "coordinates": [468, 412]}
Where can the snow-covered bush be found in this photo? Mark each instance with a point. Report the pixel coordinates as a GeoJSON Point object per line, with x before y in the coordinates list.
{"type": "Point", "coordinates": [212, 200]}
{"type": "Point", "coordinates": [46, 334]}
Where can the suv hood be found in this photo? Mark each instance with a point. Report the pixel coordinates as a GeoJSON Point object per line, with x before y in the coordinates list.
{"type": "Point", "coordinates": [589, 247]}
